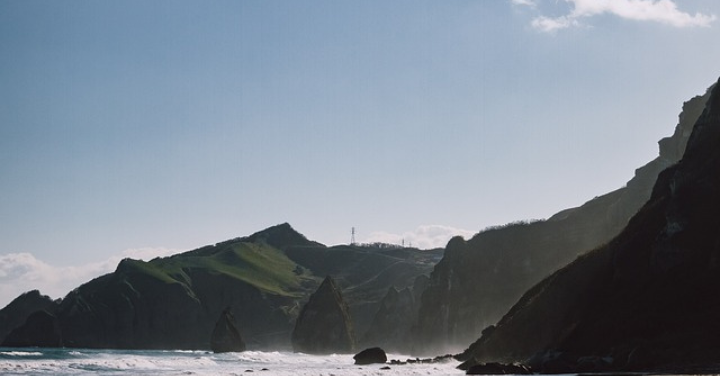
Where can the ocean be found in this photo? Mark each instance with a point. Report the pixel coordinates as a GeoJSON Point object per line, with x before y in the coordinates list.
{"type": "Point", "coordinates": [42, 361]}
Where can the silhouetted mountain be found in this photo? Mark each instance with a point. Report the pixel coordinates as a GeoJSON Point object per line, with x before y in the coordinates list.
{"type": "Point", "coordinates": [648, 300]}
{"type": "Point", "coordinates": [175, 302]}
{"type": "Point", "coordinates": [477, 281]}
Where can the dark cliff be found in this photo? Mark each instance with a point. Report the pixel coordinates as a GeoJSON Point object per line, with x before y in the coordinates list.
{"type": "Point", "coordinates": [478, 280]}
{"type": "Point", "coordinates": [15, 313]}
{"type": "Point", "coordinates": [392, 325]}
{"type": "Point", "coordinates": [41, 329]}
{"type": "Point", "coordinates": [648, 300]}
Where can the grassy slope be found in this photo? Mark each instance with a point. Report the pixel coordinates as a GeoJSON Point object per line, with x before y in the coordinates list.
{"type": "Point", "coordinates": [259, 265]}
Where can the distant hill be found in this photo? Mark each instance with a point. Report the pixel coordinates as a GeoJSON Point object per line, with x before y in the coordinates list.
{"type": "Point", "coordinates": [478, 280]}
{"type": "Point", "coordinates": [174, 302]}
{"type": "Point", "coordinates": [648, 300]}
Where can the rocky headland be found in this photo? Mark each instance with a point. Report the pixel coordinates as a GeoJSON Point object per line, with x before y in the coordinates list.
{"type": "Point", "coordinates": [478, 280]}
{"type": "Point", "coordinates": [646, 301]}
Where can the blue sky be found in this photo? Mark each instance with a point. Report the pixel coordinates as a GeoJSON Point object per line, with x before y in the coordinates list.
{"type": "Point", "coordinates": [141, 128]}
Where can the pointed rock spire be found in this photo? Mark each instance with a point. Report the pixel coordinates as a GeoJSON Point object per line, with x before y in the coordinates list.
{"type": "Point", "coordinates": [226, 336]}
{"type": "Point", "coordinates": [324, 325]}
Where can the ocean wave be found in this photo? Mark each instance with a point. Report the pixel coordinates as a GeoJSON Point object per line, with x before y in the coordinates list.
{"type": "Point", "coordinates": [70, 362]}
{"type": "Point", "coordinates": [21, 353]}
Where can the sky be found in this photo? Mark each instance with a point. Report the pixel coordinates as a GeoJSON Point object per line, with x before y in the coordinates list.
{"type": "Point", "coordinates": [142, 129]}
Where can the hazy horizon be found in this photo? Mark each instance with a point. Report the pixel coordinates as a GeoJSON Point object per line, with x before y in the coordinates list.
{"type": "Point", "coordinates": [141, 129]}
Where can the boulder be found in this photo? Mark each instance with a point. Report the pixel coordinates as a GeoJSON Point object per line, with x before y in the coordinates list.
{"type": "Point", "coordinates": [324, 325]}
{"type": "Point", "coordinates": [370, 356]}
{"type": "Point", "coordinates": [226, 336]}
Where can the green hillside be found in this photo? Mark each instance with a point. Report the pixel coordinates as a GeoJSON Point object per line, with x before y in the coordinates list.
{"type": "Point", "coordinates": [260, 265]}
{"type": "Point", "coordinates": [264, 279]}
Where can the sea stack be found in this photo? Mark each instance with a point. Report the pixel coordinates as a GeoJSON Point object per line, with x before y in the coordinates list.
{"type": "Point", "coordinates": [324, 325]}
{"type": "Point", "coordinates": [226, 336]}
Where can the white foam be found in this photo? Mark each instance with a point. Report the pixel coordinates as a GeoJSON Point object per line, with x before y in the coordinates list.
{"type": "Point", "coordinates": [21, 353]}
{"type": "Point", "coordinates": [73, 362]}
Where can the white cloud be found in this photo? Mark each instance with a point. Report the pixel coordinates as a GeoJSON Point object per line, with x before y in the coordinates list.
{"type": "Point", "coordinates": [423, 237]}
{"type": "Point", "coordinates": [552, 24]}
{"type": "Point", "coordinates": [662, 11]}
{"type": "Point", "coordinates": [528, 3]}
{"type": "Point", "coordinates": [21, 272]}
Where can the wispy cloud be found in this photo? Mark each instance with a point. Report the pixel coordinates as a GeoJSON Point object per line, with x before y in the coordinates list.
{"type": "Point", "coordinates": [423, 237]}
{"type": "Point", "coordinates": [661, 11]}
{"type": "Point", "coordinates": [547, 24]}
{"type": "Point", "coordinates": [528, 3]}
{"type": "Point", "coordinates": [21, 272]}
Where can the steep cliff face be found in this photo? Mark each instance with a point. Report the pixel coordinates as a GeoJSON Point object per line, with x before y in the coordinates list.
{"type": "Point", "coordinates": [392, 322]}
{"type": "Point", "coordinates": [324, 325]}
{"type": "Point", "coordinates": [15, 313]}
{"type": "Point", "coordinates": [41, 330]}
{"type": "Point", "coordinates": [649, 300]}
{"type": "Point", "coordinates": [392, 326]}
{"type": "Point", "coordinates": [478, 280]}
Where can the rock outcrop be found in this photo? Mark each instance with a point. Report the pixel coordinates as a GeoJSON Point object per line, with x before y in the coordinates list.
{"type": "Point", "coordinates": [324, 325]}
{"type": "Point", "coordinates": [226, 336]}
{"type": "Point", "coordinates": [646, 301]}
{"type": "Point", "coordinates": [16, 313]}
{"type": "Point", "coordinates": [477, 281]}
